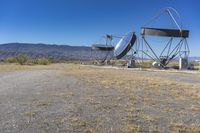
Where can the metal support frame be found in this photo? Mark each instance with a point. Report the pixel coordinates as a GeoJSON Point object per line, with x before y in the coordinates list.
{"type": "Point", "coordinates": [170, 50]}
{"type": "Point", "coordinates": [180, 48]}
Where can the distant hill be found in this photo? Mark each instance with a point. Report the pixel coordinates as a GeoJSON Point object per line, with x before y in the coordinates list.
{"type": "Point", "coordinates": [194, 58]}
{"type": "Point", "coordinates": [56, 52]}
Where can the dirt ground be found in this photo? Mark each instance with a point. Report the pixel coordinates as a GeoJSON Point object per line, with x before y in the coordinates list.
{"type": "Point", "coordinates": [69, 98]}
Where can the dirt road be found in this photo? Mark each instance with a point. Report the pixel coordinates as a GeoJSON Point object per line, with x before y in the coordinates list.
{"type": "Point", "coordinates": [70, 98]}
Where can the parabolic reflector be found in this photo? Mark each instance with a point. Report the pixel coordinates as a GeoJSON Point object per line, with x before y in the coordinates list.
{"type": "Point", "coordinates": [164, 32]}
{"type": "Point", "coordinates": [124, 45]}
{"type": "Point", "coordinates": [102, 47]}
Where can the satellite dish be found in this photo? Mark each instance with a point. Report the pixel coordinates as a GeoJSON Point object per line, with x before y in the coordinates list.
{"type": "Point", "coordinates": [102, 47]}
{"type": "Point", "coordinates": [124, 45]}
{"type": "Point", "coordinates": [103, 52]}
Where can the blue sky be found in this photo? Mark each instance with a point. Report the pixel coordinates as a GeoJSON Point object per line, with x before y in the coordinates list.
{"type": "Point", "coordinates": [83, 22]}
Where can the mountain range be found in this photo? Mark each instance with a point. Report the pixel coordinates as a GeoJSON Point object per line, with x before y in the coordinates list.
{"type": "Point", "coordinates": [54, 52]}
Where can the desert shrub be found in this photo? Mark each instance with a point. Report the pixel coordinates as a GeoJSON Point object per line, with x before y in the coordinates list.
{"type": "Point", "coordinates": [21, 59]}
{"type": "Point", "coordinates": [194, 63]}
{"type": "Point", "coordinates": [31, 62]}
{"type": "Point", "coordinates": [43, 62]}
{"type": "Point", "coordinates": [112, 62]}
{"type": "Point", "coordinates": [122, 62]}
{"type": "Point", "coordinates": [38, 62]}
{"type": "Point", "coordinates": [11, 60]}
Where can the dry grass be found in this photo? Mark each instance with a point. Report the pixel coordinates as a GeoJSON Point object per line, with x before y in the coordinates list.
{"type": "Point", "coordinates": [177, 127]}
{"type": "Point", "coordinates": [183, 128]}
{"type": "Point", "coordinates": [130, 83]}
{"type": "Point", "coordinates": [30, 114]}
{"type": "Point", "coordinates": [4, 67]}
{"type": "Point", "coordinates": [195, 108]}
{"type": "Point", "coordinates": [132, 128]}
{"type": "Point", "coordinates": [38, 104]}
{"type": "Point", "coordinates": [65, 95]}
{"type": "Point", "coordinates": [90, 131]}
{"type": "Point", "coordinates": [136, 93]}
{"type": "Point", "coordinates": [127, 80]}
{"type": "Point", "coordinates": [12, 67]}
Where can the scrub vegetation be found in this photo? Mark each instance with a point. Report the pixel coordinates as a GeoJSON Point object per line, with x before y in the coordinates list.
{"type": "Point", "coordinates": [22, 59]}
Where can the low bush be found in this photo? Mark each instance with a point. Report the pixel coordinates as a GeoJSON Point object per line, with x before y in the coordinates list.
{"type": "Point", "coordinates": [43, 62]}
{"type": "Point", "coordinates": [21, 59]}
{"type": "Point", "coordinates": [11, 60]}
{"type": "Point", "coordinates": [39, 62]}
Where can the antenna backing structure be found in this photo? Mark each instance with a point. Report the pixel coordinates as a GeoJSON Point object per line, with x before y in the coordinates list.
{"type": "Point", "coordinates": [172, 49]}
